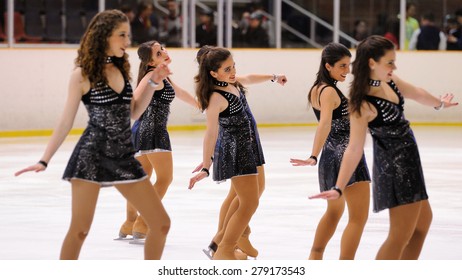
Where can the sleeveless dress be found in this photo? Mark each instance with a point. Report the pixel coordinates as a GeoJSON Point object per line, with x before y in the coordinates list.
{"type": "Point", "coordinates": [150, 131]}
{"type": "Point", "coordinates": [234, 152]}
{"type": "Point", "coordinates": [257, 148]}
{"type": "Point", "coordinates": [335, 146]}
{"type": "Point", "coordinates": [397, 172]}
{"type": "Point", "coordinates": [104, 153]}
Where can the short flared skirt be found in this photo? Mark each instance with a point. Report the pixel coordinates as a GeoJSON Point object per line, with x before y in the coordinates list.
{"type": "Point", "coordinates": [150, 133]}
{"type": "Point", "coordinates": [234, 154]}
{"type": "Point", "coordinates": [256, 144]}
{"type": "Point", "coordinates": [329, 166]}
{"type": "Point", "coordinates": [397, 174]}
{"type": "Point", "coordinates": [104, 161]}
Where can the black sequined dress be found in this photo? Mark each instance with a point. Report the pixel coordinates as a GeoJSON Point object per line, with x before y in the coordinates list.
{"type": "Point", "coordinates": [397, 172]}
{"type": "Point", "coordinates": [150, 131]}
{"type": "Point", "coordinates": [257, 148]}
{"type": "Point", "coordinates": [335, 146]}
{"type": "Point", "coordinates": [104, 153]}
{"type": "Point", "coordinates": [234, 152]}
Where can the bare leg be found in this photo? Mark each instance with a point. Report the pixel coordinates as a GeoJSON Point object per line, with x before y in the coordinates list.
{"type": "Point", "coordinates": [326, 227]}
{"type": "Point", "coordinates": [144, 198]}
{"type": "Point", "coordinates": [162, 164]}
{"type": "Point", "coordinates": [246, 188]}
{"type": "Point", "coordinates": [84, 198]}
{"type": "Point", "coordinates": [133, 221]}
{"type": "Point", "coordinates": [232, 204]}
{"type": "Point", "coordinates": [403, 221]}
{"type": "Point", "coordinates": [414, 247]}
{"type": "Point", "coordinates": [244, 243]}
{"type": "Point", "coordinates": [357, 198]}
{"type": "Point", "coordinates": [224, 213]}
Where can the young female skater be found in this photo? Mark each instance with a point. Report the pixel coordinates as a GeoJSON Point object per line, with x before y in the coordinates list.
{"type": "Point", "coordinates": [332, 134]}
{"type": "Point", "coordinates": [220, 94]}
{"type": "Point", "coordinates": [150, 135]}
{"type": "Point", "coordinates": [377, 102]}
{"type": "Point", "coordinates": [231, 202]}
{"type": "Point", "coordinates": [104, 155]}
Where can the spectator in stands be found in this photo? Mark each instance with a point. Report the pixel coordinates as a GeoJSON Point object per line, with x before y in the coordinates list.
{"type": "Point", "coordinates": [428, 36]}
{"type": "Point", "coordinates": [412, 24]}
{"type": "Point", "coordinates": [206, 30]}
{"type": "Point", "coordinates": [255, 36]}
{"type": "Point", "coordinates": [360, 31]}
{"type": "Point", "coordinates": [392, 31]}
{"type": "Point", "coordinates": [171, 26]}
{"type": "Point", "coordinates": [128, 11]}
{"type": "Point", "coordinates": [453, 34]}
{"type": "Point", "coordinates": [144, 26]}
{"type": "Point", "coordinates": [456, 37]}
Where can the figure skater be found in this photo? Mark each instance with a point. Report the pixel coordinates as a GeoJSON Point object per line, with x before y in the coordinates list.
{"type": "Point", "coordinates": [150, 135]}
{"type": "Point", "coordinates": [104, 155]}
{"type": "Point", "coordinates": [330, 107]}
{"type": "Point", "coordinates": [220, 94]}
{"type": "Point", "coordinates": [377, 103]}
{"type": "Point", "coordinates": [231, 202]}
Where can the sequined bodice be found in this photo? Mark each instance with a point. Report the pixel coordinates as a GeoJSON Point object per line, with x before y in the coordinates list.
{"type": "Point", "coordinates": [109, 111]}
{"type": "Point", "coordinates": [388, 113]}
{"type": "Point", "coordinates": [389, 126]}
{"type": "Point", "coordinates": [166, 94]}
{"type": "Point", "coordinates": [234, 103]}
{"type": "Point", "coordinates": [102, 94]}
{"type": "Point", "coordinates": [339, 112]}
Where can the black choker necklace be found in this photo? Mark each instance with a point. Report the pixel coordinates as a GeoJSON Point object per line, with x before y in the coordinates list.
{"type": "Point", "coordinates": [109, 59]}
{"type": "Point", "coordinates": [334, 82]}
{"type": "Point", "coordinates": [374, 83]}
{"type": "Point", "coordinates": [220, 83]}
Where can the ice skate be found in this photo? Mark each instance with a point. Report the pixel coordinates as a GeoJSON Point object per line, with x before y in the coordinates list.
{"type": "Point", "coordinates": [126, 231]}
{"type": "Point", "coordinates": [139, 231]}
{"type": "Point", "coordinates": [245, 246]}
{"type": "Point", "coordinates": [212, 248]}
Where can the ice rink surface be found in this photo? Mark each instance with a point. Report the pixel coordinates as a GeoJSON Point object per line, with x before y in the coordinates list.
{"type": "Point", "coordinates": [35, 208]}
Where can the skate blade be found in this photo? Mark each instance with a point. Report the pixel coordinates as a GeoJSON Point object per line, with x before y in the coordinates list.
{"type": "Point", "coordinates": [123, 238]}
{"type": "Point", "coordinates": [208, 253]}
{"type": "Point", "coordinates": [137, 241]}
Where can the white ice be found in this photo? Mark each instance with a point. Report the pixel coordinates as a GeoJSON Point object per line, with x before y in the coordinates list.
{"type": "Point", "coordinates": [35, 208]}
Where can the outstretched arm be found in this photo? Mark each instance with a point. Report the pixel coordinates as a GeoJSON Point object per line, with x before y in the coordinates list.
{"type": "Point", "coordinates": [251, 79]}
{"type": "Point", "coordinates": [75, 91]}
{"type": "Point", "coordinates": [423, 96]}
{"type": "Point", "coordinates": [184, 95]}
{"type": "Point", "coordinates": [353, 153]}
{"type": "Point", "coordinates": [151, 82]}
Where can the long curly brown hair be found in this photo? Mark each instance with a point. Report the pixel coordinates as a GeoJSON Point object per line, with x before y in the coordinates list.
{"type": "Point", "coordinates": [91, 55]}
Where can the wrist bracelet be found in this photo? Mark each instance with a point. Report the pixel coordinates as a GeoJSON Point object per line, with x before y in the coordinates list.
{"type": "Point", "coordinates": [337, 189]}
{"type": "Point", "coordinates": [439, 107]}
{"type": "Point", "coordinates": [275, 78]}
{"type": "Point", "coordinates": [314, 157]}
{"type": "Point", "coordinates": [44, 163]}
{"type": "Point", "coordinates": [152, 83]}
{"type": "Point", "coordinates": [206, 171]}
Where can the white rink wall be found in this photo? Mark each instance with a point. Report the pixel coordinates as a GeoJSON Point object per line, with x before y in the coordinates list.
{"type": "Point", "coordinates": [35, 81]}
